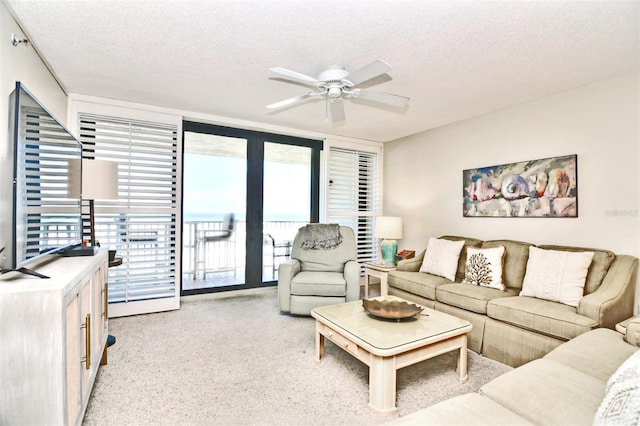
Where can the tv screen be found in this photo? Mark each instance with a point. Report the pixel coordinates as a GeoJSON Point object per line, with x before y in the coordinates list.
{"type": "Point", "coordinates": [45, 215]}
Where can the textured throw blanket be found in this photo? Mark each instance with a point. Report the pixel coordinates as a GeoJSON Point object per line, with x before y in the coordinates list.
{"type": "Point", "coordinates": [320, 236]}
{"type": "Point", "coordinates": [621, 403]}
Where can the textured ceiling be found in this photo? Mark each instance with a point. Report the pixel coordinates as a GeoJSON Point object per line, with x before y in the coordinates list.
{"type": "Point", "coordinates": [454, 59]}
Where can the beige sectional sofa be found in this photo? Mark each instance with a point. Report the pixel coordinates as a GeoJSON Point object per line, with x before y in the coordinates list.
{"type": "Point", "coordinates": [592, 379]}
{"type": "Point", "coordinates": [515, 329]}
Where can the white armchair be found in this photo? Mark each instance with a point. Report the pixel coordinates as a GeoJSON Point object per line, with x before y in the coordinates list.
{"type": "Point", "coordinates": [318, 277]}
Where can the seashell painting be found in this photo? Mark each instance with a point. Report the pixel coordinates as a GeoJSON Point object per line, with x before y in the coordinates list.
{"type": "Point", "coordinates": [514, 187]}
{"type": "Point", "coordinates": [538, 188]}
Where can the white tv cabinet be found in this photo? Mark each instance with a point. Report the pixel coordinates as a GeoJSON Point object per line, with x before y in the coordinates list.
{"type": "Point", "coordinates": [53, 334]}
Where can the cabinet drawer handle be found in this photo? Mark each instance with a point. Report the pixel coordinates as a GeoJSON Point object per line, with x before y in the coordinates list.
{"type": "Point", "coordinates": [87, 342]}
{"type": "Point", "coordinates": [106, 301]}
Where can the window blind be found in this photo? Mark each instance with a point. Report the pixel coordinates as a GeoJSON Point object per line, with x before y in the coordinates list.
{"type": "Point", "coordinates": [352, 195]}
{"type": "Point", "coordinates": [141, 223]}
{"type": "Point", "coordinates": [52, 218]}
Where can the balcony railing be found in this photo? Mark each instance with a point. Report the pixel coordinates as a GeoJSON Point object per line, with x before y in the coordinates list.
{"type": "Point", "coordinates": [219, 263]}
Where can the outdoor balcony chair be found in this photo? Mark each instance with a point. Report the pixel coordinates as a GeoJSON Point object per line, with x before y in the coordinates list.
{"type": "Point", "coordinates": [208, 237]}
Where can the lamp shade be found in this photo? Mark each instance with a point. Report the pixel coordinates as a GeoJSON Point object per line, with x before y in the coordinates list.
{"type": "Point", "coordinates": [99, 179]}
{"type": "Point", "coordinates": [388, 227]}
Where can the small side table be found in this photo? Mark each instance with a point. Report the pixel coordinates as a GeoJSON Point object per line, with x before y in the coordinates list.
{"type": "Point", "coordinates": [379, 270]}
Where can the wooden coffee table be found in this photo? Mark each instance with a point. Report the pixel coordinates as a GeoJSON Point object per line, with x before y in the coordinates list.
{"type": "Point", "coordinates": [388, 345]}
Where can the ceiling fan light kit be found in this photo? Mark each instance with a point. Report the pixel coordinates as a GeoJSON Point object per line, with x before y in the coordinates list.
{"type": "Point", "coordinates": [335, 84]}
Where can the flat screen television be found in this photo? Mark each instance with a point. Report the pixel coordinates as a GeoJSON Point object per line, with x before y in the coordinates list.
{"type": "Point", "coordinates": [40, 214]}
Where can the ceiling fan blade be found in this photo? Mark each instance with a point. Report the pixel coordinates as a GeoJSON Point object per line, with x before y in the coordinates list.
{"type": "Point", "coordinates": [368, 72]}
{"type": "Point", "coordinates": [291, 101]}
{"type": "Point", "coordinates": [381, 97]}
{"type": "Point", "coordinates": [336, 109]}
{"type": "Point", "coordinates": [293, 75]}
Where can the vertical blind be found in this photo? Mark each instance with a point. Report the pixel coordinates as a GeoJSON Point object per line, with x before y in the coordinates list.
{"type": "Point", "coordinates": [141, 223]}
{"type": "Point", "coordinates": [51, 217]}
{"type": "Point", "coordinates": [352, 195]}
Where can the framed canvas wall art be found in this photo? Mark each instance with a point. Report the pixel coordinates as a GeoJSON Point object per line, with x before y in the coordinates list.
{"type": "Point", "coordinates": [537, 188]}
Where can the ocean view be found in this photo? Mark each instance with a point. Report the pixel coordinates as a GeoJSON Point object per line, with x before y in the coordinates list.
{"type": "Point", "coordinates": [217, 217]}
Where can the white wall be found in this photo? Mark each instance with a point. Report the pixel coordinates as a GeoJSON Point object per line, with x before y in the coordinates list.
{"type": "Point", "coordinates": [598, 122]}
{"type": "Point", "coordinates": [21, 63]}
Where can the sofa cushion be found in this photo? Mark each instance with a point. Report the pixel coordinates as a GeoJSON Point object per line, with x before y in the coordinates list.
{"type": "Point", "coordinates": [547, 392]}
{"type": "Point", "coordinates": [602, 260]}
{"type": "Point", "coordinates": [468, 242]}
{"type": "Point", "coordinates": [470, 297]}
{"type": "Point", "coordinates": [467, 409]}
{"type": "Point", "coordinates": [542, 316]}
{"type": "Point", "coordinates": [515, 261]}
{"type": "Point", "coordinates": [416, 282]}
{"type": "Point", "coordinates": [579, 353]}
{"type": "Point", "coordinates": [308, 283]}
{"type": "Point", "coordinates": [441, 258]}
{"type": "Point", "coordinates": [484, 267]}
{"type": "Point", "coordinates": [621, 403]}
{"type": "Point", "coordinates": [556, 275]}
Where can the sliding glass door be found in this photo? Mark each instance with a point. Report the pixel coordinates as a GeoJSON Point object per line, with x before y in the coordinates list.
{"type": "Point", "coordinates": [287, 198]}
{"type": "Point", "coordinates": [214, 210]}
{"type": "Point", "coordinates": [245, 194]}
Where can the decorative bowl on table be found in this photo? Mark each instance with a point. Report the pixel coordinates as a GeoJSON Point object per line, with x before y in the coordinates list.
{"type": "Point", "coordinates": [391, 309]}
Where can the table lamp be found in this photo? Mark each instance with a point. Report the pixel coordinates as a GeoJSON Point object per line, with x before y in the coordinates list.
{"type": "Point", "coordinates": [99, 182]}
{"type": "Point", "coordinates": [389, 229]}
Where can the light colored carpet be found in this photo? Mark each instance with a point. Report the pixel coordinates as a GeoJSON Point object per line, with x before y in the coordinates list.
{"type": "Point", "coordinates": [235, 360]}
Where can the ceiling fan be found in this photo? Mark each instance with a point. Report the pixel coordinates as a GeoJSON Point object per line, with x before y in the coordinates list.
{"type": "Point", "coordinates": [336, 84]}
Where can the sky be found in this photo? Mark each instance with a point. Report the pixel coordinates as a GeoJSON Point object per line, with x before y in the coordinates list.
{"type": "Point", "coordinates": [216, 185]}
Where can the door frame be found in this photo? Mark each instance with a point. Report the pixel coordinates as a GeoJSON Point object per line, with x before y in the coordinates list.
{"type": "Point", "coordinates": [255, 194]}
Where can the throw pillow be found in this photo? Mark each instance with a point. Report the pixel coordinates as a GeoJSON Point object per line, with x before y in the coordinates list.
{"type": "Point", "coordinates": [555, 275]}
{"type": "Point", "coordinates": [484, 267]}
{"type": "Point", "coordinates": [441, 258]}
{"type": "Point", "coordinates": [621, 403]}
